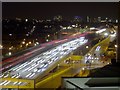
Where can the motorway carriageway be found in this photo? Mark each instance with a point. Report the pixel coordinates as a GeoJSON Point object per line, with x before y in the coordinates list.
{"type": "Point", "coordinates": [37, 65]}
{"type": "Point", "coordinates": [12, 61]}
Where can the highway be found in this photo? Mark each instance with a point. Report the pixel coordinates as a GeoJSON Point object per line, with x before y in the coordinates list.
{"type": "Point", "coordinates": [34, 67]}
{"type": "Point", "coordinates": [32, 52]}
{"type": "Point", "coordinates": [38, 65]}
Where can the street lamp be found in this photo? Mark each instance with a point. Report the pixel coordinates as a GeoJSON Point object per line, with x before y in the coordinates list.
{"type": "Point", "coordinates": [115, 46]}
{"type": "Point", "coordinates": [10, 34]}
{"type": "Point", "coordinates": [47, 40]}
{"type": "Point", "coordinates": [86, 47]}
{"type": "Point", "coordinates": [21, 46]}
{"type": "Point", "coordinates": [29, 42]}
{"type": "Point", "coordinates": [35, 44]}
{"type": "Point", "coordinates": [23, 42]}
{"type": "Point", "coordinates": [1, 46]}
{"type": "Point", "coordinates": [48, 35]}
{"type": "Point", "coordinates": [9, 53]}
{"type": "Point", "coordinates": [26, 20]}
{"type": "Point", "coordinates": [10, 48]}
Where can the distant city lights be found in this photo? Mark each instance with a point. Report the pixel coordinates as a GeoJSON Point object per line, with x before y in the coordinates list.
{"type": "Point", "coordinates": [47, 40]}
{"type": "Point", "coordinates": [9, 53]}
{"type": "Point", "coordinates": [86, 47]}
{"type": "Point", "coordinates": [27, 34]}
{"type": "Point", "coordinates": [26, 20]}
{"type": "Point", "coordinates": [29, 42]}
{"type": "Point", "coordinates": [10, 34]}
{"type": "Point", "coordinates": [48, 35]}
{"type": "Point", "coordinates": [115, 46]}
{"type": "Point", "coordinates": [37, 42]}
{"type": "Point", "coordinates": [26, 44]}
{"type": "Point", "coordinates": [23, 42]}
{"type": "Point", "coordinates": [1, 46]}
{"type": "Point", "coordinates": [10, 48]}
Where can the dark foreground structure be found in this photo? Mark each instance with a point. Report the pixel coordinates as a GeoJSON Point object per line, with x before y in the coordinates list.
{"type": "Point", "coordinates": [111, 70]}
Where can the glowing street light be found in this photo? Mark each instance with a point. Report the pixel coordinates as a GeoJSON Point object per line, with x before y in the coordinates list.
{"type": "Point", "coordinates": [27, 34]}
{"type": "Point", "coordinates": [86, 47]}
{"type": "Point", "coordinates": [115, 46]}
{"type": "Point", "coordinates": [23, 42]}
{"type": "Point", "coordinates": [83, 68]}
{"type": "Point", "coordinates": [26, 20]}
{"type": "Point", "coordinates": [29, 42]}
{"type": "Point", "coordinates": [1, 46]}
{"type": "Point", "coordinates": [10, 48]}
{"type": "Point", "coordinates": [47, 40]}
{"type": "Point", "coordinates": [9, 53]}
{"type": "Point", "coordinates": [21, 46]}
{"type": "Point", "coordinates": [48, 35]}
{"type": "Point", "coordinates": [10, 34]}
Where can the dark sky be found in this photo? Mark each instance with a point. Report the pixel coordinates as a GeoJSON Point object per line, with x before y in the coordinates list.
{"type": "Point", "coordinates": [47, 10]}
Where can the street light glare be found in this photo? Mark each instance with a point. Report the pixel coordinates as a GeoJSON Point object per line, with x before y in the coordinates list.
{"type": "Point", "coordinates": [10, 34]}
{"type": "Point", "coordinates": [87, 47]}
{"type": "Point", "coordinates": [9, 53]}
{"type": "Point", "coordinates": [1, 46]}
{"type": "Point", "coordinates": [47, 40]}
{"type": "Point", "coordinates": [26, 20]}
{"type": "Point", "coordinates": [23, 42]}
{"type": "Point", "coordinates": [116, 46]}
{"type": "Point", "coordinates": [29, 42]}
{"type": "Point", "coordinates": [48, 35]}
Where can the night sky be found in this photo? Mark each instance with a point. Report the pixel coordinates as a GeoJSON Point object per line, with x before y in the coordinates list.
{"type": "Point", "coordinates": [47, 10]}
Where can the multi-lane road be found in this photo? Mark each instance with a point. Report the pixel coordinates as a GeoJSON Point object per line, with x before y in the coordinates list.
{"type": "Point", "coordinates": [41, 63]}
{"type": "Point", "coordinates": [37, 65]}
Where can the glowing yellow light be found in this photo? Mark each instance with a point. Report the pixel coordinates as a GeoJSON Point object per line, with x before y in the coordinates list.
{"type": "Point", "coordinates": [20, 45]}
{"type": "Point", "coordinates": [87, 47]}
{"type": "Point", "coordinates": [116, 46]}
{"type": "Point", "coordinates": [29, 42]}
{"type": "Point", "coordinates": [1, 46]}
{"type": "Point", "coordinates": [23, 42]}
{"type": "Point", "coordinates": [10, 48]}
